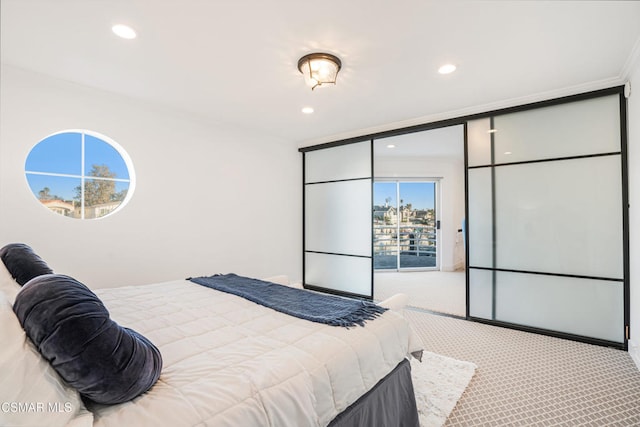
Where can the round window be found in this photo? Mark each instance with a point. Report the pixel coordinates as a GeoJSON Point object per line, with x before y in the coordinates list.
{"type": "Point", "coordinates": [80, 174]}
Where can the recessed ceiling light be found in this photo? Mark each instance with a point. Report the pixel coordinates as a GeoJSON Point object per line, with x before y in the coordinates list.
{"type": "Point", "coordinates": [447, 69]}
{"type": "Point", "coordinates": [391, 146]}
{"type": "Point", "coordinates": [124, 31]}
{"type": "Point", "coordinates": [508, 153]}
{"type": "Point", "coordinates": [307, 110]}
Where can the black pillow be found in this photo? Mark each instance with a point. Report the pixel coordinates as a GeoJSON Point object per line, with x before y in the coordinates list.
{"type": "Point", "coordinates": [22, 262]}
{"type": "Point", "coordinates": [72, 329]}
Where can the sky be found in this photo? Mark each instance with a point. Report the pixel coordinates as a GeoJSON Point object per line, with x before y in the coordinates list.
{"type": "Point", "coordinates": [62, 154]}
{"type": "Point", "coordinates": [421, 195]}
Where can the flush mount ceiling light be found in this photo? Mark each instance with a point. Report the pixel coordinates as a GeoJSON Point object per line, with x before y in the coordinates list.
{"type": "Point", "coordinates": [319, 69]}
{"type": "Point", "coordinates": [124, 31]}
{"type": "Point", "coordinates": [307, 110]}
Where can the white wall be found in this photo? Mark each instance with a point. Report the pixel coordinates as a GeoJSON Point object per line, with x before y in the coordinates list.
{"type": "Point", "coordinates": [634, 211]}
{"type": "Point", "coordinates": [451, 172]}
{"type": "Point", "coordinates": [210, 198]}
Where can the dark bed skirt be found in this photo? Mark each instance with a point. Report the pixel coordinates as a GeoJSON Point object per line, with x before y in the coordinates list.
{"type": "Point", "coordinates": [390, 403]}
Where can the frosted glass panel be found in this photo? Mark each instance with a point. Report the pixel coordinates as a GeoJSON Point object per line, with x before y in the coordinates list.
{"type": "Point", "coordinates": [559, 217]}
{"type": "Point", "coordinates": [338, 217]}
{"type": "Point", "coordinates": [542, 214]}
{"type": "Point", "coordinates": [340, 273]}
{"type": "Point", "coordinates": [480, 293]}
{"type": "Point", "coordinates": [592, 308]}
{"type": "Point", "coordinates": [480, 222]}
{"type": "Point", "coordinates": [578, 128]}
{"type": "Point", "coordinates": [478, 142]}
{"type": "Point", "coordinates": [336, 163]}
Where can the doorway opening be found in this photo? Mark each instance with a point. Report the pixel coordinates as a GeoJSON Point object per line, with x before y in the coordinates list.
{"type": "Point", "coordinates": [418, 212]}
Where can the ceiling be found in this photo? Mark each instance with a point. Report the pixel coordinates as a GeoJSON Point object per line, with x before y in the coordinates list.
{"type": "Point", "coordinates": [234, 62]}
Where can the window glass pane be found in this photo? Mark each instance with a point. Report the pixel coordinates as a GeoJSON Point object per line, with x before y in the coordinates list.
{"type": "Point", "coordinates": [385, 225]}
{"type": "Point", "coordinates": [60, 194]}
{"type": "Point", "coordinates": [560, 217]}
{"type": "Point", "coordinates": [338, 217]}
{"type": "Point", "coordinates": [417, 235]}
{"type": "Point", "coordinates": [480, 223]}
{"type": "Point", "coordinates": [340, 273]}
{"type": "Point", "coordinates": [592, 308]}
{"type": "Point", "coordinates": [479, 142]}
{"type": "Point", "coordinates": [101, 197]}
{"type": "Point", "coordinates": [480, 293]}
{"type": "Point", "coordinates": [122, 188]}
{"type": "Point", "coordinates": [61, 153]}
{"type": "Point", "coordinates": [100, 153]}
{"type": "Point", "coordinates": [343, 162]}
{"type": "Point", "coordinates": [384, 196]}
{"type": "Point", "coordinates": [577, 128]}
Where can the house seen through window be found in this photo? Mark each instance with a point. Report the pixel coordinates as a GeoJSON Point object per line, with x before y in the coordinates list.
{"type": "Point", "coordinates": [80, 174]}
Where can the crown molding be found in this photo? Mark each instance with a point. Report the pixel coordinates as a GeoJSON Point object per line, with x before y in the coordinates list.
{"type": "Point", "coordinates": [632, 61]}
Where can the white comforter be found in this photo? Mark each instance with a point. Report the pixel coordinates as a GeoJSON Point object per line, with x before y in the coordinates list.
{"type": "Point", "coordinates": [230, 362]}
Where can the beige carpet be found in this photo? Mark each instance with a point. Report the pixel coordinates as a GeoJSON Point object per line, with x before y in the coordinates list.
{"type": "Point", "coordinates": [526, 379]}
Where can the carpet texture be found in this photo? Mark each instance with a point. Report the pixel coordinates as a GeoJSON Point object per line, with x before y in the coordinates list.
{"type": "Point", "coordinates": [439, 382]}
{"type": "Point", "coordinates": [530, 380]}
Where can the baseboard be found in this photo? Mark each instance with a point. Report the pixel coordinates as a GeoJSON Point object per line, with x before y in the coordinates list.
{"type": "Point", "coordinates": [634, 351]}
{"type": "Point", "coordinates": [451, 268]}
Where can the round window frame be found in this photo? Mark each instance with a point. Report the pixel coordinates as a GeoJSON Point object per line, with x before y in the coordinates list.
{"type": "Point", "coordinates": [103, 138]}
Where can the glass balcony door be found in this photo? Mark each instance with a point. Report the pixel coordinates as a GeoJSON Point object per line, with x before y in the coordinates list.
{"type": "Point", "coordinates": [405, 225]}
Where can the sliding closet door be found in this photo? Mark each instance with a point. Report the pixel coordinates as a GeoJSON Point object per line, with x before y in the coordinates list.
{"type": "Point", "coordinates": [337, 219]}
{"type": "Point", "coordinates": [546, 219]}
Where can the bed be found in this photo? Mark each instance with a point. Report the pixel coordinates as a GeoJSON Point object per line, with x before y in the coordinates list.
{"type": "Point", "coordinates": [227, 361]}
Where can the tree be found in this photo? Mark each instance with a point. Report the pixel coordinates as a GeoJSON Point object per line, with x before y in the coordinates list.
{"type": "Point", "coordinates": [98, 191]}
{"type": "Point", "coordinates": [120, 195]}
{"type": "Point", "coordinates": [44, 194]}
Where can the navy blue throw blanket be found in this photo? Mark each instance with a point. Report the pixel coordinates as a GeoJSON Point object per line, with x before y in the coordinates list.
{"type": "Point", "coordinates": [320, 308]}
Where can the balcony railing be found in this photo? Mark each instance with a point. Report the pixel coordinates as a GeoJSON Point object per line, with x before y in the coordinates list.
{"type": "Point", "coordinates": [408, 246]}
{"type": "Point", "coordinates": [416, 240]}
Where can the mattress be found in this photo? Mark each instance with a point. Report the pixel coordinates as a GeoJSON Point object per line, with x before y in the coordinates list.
{"type": "Point", "coordinates": [231, 362]}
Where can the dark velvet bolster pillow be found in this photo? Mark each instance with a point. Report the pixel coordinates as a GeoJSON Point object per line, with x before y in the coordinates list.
{"type": "Point", "coordinates": [22, 262]}
{"type": "Point", "coordinates": [72, 329]}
